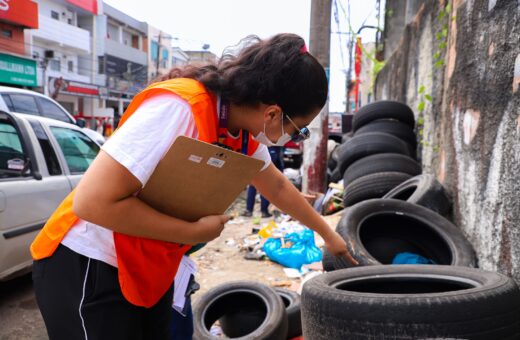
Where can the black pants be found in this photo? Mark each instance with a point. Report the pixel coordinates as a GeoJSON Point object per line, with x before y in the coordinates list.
{"type": "Point", "coordinates": [80, 298]}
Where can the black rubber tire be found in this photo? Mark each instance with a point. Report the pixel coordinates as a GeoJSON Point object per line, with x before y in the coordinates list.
{"type": "Point", "coordinates": [346, 137]}
{"type": "Point", "coordinates": [377, 230]}
{"type": "Point", "coordinates": [423, 190]}
{"type": "Point", "coordinates": [336, 152]}
{"type": "Point", "coordinates": [331, 162]}
{"type": "Point", "coordinates": [327, 261]}
{"type": "Point", "coordinates": [248, 299]}
{"type": "Point", "coordinates": [383, 109]}
{"type": "Point", "coordinates": [411, 302]}
{"type": "Point", "coordinates": [335, 176]}
{"type": "Point", "coordinates": [394, 128]}
{"type": "Point", "coordinates": [383, 162]}
{"type": "Point", "coordinates": [372, 186]}
{"type": "Point", "coordinates": [292, 302]}
{"type": "Point", "coordinates": [367, 144]}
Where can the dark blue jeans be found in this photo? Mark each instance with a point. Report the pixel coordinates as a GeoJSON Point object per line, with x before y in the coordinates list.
{"type": "Point", "coordinates": [182, 326]}
{"type": "Point", "coordinates": [276, 154]}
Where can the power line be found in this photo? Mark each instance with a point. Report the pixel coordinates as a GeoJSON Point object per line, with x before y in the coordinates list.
{"type": "Point", "coordinates": [39, 58]}
{"type": "Point", "coordinates": [336, 19]}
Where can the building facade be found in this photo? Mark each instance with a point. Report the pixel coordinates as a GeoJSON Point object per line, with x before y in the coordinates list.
{"type": "Point", "coordinates": [17, 67]}
{"type": "Point", "coordinates": [122, 56]}
{"type": "Point", "coordinates": [63, 46]}
{"type": "Point", "coordinates": [159, 56]}
{"type": "Point", "coordinates": [90, 57]}
{"type": "Point", "coordinates": [179, 57]}
{"type": "Point", "coordinates": [200, 58]}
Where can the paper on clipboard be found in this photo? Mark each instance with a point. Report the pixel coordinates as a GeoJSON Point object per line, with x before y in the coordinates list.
{"type": "Point", "coordinates": [197, 179]}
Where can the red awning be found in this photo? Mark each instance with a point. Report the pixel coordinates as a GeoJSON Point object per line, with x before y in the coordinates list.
{"type": "Point", "coordinates": [88, 5]}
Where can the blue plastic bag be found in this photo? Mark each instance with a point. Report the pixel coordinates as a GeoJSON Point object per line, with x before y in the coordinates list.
{"type": "Point", "coordinates": [303, 249]}
{"type": "Point", "coordinates": [410, 258]}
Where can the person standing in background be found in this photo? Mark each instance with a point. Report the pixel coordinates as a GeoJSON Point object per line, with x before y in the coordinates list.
{"type": "Point", "coordinates": [276, 153]}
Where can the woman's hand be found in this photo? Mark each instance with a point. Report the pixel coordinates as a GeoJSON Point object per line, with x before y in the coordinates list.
{"type": "Point", "coordinates": [337, 246]}
{"type": "Point", "coordinates": [208, 228]}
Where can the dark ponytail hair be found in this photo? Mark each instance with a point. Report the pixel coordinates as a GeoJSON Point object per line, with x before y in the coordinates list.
{"type": "Point", "coordinates": [278, 71]}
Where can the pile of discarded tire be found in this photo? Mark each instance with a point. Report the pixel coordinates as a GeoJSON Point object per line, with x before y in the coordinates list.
{"type": "Point", "coordinates": [411, 302]}
{"type": "Point", "coordinates": [248, 310]}
{"type": "Point", "coordinates": [393, 210]}
{"type": "Point", "coordinates": [379, 154]}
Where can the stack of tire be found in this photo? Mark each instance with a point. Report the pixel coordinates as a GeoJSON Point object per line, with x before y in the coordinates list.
{"type": "Point", "coordinates": [248, 310]}
{"type": "Point", "coordinates": [380, 154]}
{"type": "Point", "coordinates": [406, 215]}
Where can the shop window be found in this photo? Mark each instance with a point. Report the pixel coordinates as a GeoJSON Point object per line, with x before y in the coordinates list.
{"type": "Point", "coordinates": [24, 104]}
{"type": "Point", "coordinates": [55, 64]}
{"type": "Point", "coordinates": [51, 110]}
{"type": "Point", "coordinates": [7, 33]}
{"type": "Point", "coordinates": [70, 66]}
{"type": "Point", "coordinates": [79, 150]}
{"type": "Point", "coordinates": [51, 159]}
{"type": "Point", "coordinates": [55, 15]}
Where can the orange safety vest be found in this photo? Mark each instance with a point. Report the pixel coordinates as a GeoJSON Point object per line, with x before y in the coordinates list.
{"type": "Point", "coordinates": [146, 267]}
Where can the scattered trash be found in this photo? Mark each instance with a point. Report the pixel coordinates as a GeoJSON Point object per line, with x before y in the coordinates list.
{"type": "Point", "coordinates": [256, 254]}
{"type": "Point", "coordinates": [230, 242]}
{"type": "Point", "coordinates": [293, 273]}
{"type": "Point", "coordinates": [294, 249]}
{"type": "Point", "coordinates": [216, 330]}
{"type": "Point", "coordinates": [284, 283]}
{"type": "Point", "coordinates": [267, 231]}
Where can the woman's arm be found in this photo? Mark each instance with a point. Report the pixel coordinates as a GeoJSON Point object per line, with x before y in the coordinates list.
{"type": "Point", "coordinates": [104, 196]}
{"type": "Point", "coordinates": [274, 186]}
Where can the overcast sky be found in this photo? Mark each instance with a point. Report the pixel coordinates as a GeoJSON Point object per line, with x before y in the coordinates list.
{"type": "Point", "coordinates": [222, 23]}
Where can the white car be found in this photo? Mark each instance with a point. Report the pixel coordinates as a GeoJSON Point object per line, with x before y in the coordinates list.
{"type": "Point", "coordinates": [41, 161]}
{"type": "Point", "coordinates": [34, 103]}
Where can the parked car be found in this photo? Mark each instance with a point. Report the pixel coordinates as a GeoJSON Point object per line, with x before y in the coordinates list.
{"type": "Point", "coordinates": [41, 161]}
{"type": "Point", "coordinates": [34, 103]}
{"type": "Point", "coordinates": [293, 155]}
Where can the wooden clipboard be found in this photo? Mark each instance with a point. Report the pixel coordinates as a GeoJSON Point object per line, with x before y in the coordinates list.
{"type": "Point", "coordinates": [196, 179]}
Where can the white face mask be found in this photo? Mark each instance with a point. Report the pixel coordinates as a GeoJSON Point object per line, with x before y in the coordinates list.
{"type": "Point", "coordinates": [262, 138]}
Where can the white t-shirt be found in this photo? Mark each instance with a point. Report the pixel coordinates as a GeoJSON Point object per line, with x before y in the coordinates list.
{"type": "Point", "coordinates": [139, 145]}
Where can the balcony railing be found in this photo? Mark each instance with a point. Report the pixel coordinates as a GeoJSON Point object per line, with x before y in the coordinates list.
{"type": "Point", "coordinates": [61, 34]}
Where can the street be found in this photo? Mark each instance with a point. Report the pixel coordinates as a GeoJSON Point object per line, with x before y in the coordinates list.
{"type": "Point", "coordinates": [20, 318]}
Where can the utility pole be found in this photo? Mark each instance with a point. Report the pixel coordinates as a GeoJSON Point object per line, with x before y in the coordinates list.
{"type": "Point", "coordinates": [158, 55]}
{"type": "Point", "coordinates": [315, 148]}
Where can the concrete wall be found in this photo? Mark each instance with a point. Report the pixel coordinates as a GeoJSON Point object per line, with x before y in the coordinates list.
{"type": "Point", "coordinates": [471, 136]}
